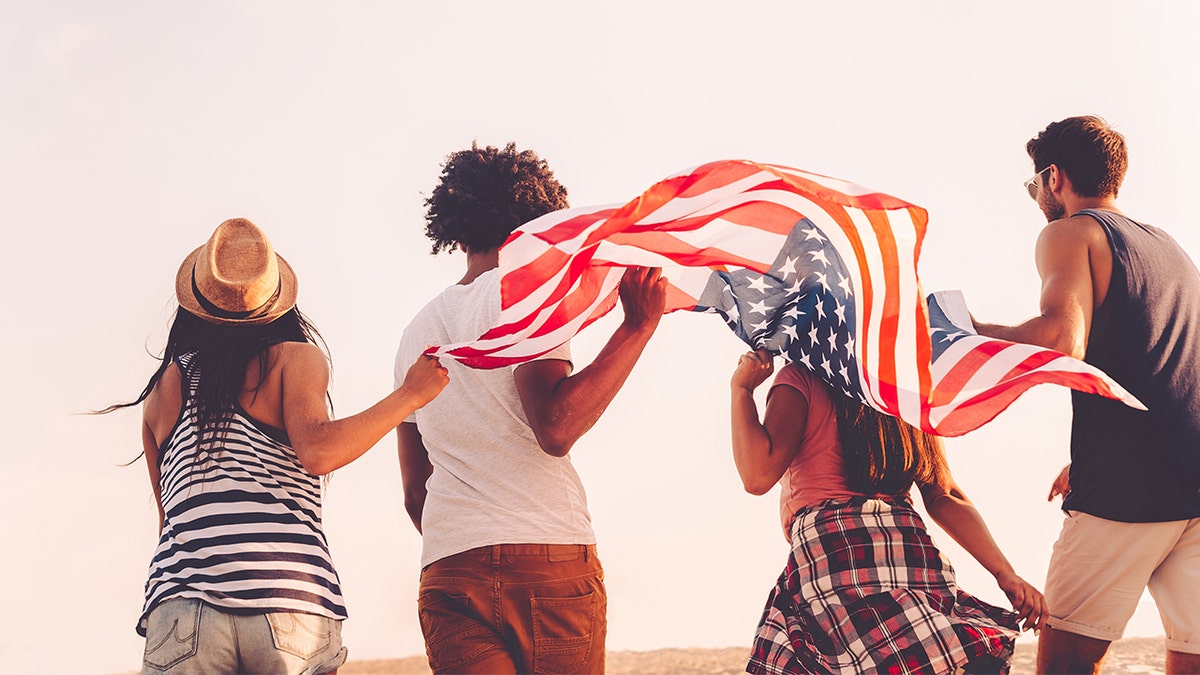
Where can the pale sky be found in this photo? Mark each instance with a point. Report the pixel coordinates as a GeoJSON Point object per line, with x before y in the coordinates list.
{"type": "Point", "coordinates": [129, 130]}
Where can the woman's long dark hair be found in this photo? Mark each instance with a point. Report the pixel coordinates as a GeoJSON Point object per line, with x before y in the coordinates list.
{"type": "Point", "coordinates": [222, 351]}
{"type": "Point", "coordinates": [882, 454]}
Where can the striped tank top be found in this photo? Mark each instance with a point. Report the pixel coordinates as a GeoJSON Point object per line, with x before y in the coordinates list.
{"type": "Point", "coordinates": [242, 528]}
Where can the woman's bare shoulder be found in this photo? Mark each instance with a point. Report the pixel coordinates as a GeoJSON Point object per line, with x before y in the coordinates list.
{"type": "Point", "coordinates": [297, 356]}
{"type": "Point", "coordinates": [161, 406]}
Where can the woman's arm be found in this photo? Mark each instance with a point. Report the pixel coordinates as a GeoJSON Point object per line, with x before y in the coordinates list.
{"type": "Point", "coordinates": [323, 444]}
{"type": "Point", "coordinates": [949, 507]}
{"type": "Point", "coordinates": [160, 411]}
{"type": "Point", "coordinates": [762, 451]}
{"type": "Point", "coordinates": [150, 451]}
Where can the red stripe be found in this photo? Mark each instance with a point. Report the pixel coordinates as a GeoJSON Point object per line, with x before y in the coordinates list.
{"type": "Point", "coordinates": [685, 254]}
{"type": "Point", "coordinates": [980, 409]}
{"type": "Point", "coordinates": [523, 281]}
{"type": "Point", "coordinates": [872, 201]}
{"type": "Point", "coordinates": [889, 320]}
{"type": "Point", "coordinates": [566, 230]}
{"type": "Point", "coordinates": [718, 175]}
{"type": "Point", "coordinates": [950, 385]}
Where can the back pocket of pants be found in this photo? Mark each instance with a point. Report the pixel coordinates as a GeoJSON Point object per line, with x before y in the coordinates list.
{"type": "Point", "coordinates": [172, 633]}
{"type": "Point", "coordinates": [302, 635]}
{"type": "Point", "coordinates": [454, 634]}
{"type": "Point", "coordinates": [562, 633]}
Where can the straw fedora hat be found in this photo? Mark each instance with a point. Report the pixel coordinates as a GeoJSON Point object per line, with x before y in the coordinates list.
{"type": "Point", "coordinates": [236, 277]}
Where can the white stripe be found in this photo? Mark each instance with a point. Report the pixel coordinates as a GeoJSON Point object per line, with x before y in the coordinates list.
{"type": "Point", "coordinates": [707, 202]}
{"type": "Point", "coordinates": [837, 184]}
{"type": "Point", "coordinates": [908, 366]}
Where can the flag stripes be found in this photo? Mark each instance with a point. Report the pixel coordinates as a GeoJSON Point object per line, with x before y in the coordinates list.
{"type": "Point", "coordinates": [820, 270]}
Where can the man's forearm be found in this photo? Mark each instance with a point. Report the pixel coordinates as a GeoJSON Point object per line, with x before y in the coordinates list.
{"type": "Point", "coordinates": [1040, 331]}
{"type": "Point", "coordinates": [577, 401]}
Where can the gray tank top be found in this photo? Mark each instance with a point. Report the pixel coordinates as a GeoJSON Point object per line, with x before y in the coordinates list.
{"type": "Point", "coordinates": [1130, 465]}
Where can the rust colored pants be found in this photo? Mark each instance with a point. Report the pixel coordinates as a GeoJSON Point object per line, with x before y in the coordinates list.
{"type": "Point", "coordinates": [515, 608]}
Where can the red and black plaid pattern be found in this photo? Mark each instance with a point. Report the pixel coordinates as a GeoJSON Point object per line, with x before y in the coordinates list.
{"type": "Point", "coordinates": [866, 591]}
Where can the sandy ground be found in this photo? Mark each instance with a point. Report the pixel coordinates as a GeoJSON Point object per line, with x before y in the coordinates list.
{"type": "Point", "coordinates": [1143, 656]}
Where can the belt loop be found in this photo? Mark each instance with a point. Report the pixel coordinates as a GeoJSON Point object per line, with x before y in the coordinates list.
{"type": "Point", "coordinates": [586, 552]}
{"type": "Point", "coordinates": [496, 554]}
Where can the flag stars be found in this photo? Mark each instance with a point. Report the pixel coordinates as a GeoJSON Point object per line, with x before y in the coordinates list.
{"type": "Point", "coordinates": [804, 359]}
{"type": "Point", "coordinates": [821, 279]}
{"type": "Point", "coordinates": [820, 309]}
{"type": "Point", "coordinates": [826, 367]}
{"type": "Point", "coordinates": [790, 262]}
{"type": "Point", "coordinates": [812, 335]}
{"type": "Point", "coordinates": [812, 233]}
{"type": "Point", "coordinates": [759, 307]}
{"type": "Point", "coordinates": [840, 311]}
{"type": "Point", "coordinates": [949, 336]}
{"type": "Point", "coordinates": [832, 340]}
{"type": "Point", "coordinates": [844, 373]}
{"type": "Point", "coordinates": [790, 331]}
{"type": "Point", "coordinates": [844, 284]}
{"type": "Point", "coordinates": [759, 284]}
{"type": "Point", "coordinates": [819, 254]}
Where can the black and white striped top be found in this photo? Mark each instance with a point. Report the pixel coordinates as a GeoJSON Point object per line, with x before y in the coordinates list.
{"type": "Point", "coordinates": [243, 522]}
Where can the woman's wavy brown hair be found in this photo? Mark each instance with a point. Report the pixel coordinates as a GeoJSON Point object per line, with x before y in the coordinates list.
{"type": "Point", "coordinates": [882, 454]}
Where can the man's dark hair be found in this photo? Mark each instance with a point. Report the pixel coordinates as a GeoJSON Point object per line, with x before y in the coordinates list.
{"type": "Point", "coordinates": [485, 193]}
{"type": "Point", "coordinates": [1090, 152]}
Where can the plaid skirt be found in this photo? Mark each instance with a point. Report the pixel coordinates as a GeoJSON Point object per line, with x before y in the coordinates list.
{"type": "Point", "coordinates": [866, 591]}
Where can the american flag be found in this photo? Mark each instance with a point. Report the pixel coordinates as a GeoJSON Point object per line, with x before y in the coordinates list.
{"type": "Point", "coordinates": [815, 269]}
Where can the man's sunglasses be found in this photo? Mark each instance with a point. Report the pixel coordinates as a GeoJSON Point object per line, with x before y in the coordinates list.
{"type": "Point", "coordinates": [1031, 185]}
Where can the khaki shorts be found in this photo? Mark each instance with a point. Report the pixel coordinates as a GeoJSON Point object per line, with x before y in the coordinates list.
{"type": "Point", "coordinates": [1100, 568]}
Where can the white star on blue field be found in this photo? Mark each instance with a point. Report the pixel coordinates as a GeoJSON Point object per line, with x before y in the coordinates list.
{"type": "Point", "coordinates": [802, 309]}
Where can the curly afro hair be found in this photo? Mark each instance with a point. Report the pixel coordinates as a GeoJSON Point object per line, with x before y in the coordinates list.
{"type": "Point", "coordinates": [485, 193]}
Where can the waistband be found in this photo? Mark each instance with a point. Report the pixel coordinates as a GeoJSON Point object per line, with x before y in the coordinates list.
{"type": "Point", "coordinates": [857, 501]}
{"type": "Point", "coordinates": [548, 552]}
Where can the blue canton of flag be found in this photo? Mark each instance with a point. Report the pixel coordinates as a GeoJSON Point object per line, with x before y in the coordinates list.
{"type": "Point", "coordinates": [802, 309]}
{"type": "Point", "coordinates": [943, 332]}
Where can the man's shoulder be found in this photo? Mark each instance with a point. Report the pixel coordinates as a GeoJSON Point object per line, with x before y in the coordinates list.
{"type": "Point", "coordinates": [1079, 229]}
{"type": "Point", "coordinates": [1077, 223]}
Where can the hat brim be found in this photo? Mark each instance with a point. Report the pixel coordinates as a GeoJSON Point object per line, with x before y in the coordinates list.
{"type": "Point", "coordinates": [283, 302]}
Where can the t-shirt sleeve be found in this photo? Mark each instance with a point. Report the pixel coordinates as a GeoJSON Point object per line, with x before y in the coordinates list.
{"type": "Point", "coordinates": [795, 377]}
{"type": "Point", "coordinates": [561, 353]}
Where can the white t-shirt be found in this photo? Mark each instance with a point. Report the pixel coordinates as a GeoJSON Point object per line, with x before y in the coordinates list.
{"type": "Point", "coordinates": [491, 481]}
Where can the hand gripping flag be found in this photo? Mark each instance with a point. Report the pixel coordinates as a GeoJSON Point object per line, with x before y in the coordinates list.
{"type": "Point", "coordinates": [815, 269]}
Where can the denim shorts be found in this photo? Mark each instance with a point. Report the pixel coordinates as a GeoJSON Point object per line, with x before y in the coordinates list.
{"type": "Point", "coordinates": [185, 636]}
